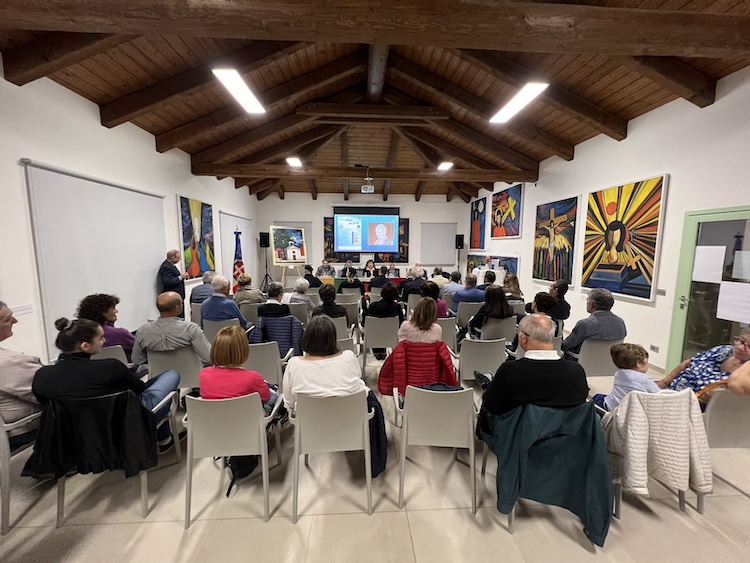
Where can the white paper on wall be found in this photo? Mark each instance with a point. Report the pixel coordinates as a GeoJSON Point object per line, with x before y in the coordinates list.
{"type": "Point", "coordinates": [709, 263]}
{"type": "Point", "coordinates": [741, 268]}
{"type": "Point", "coordinates": [734, 302]}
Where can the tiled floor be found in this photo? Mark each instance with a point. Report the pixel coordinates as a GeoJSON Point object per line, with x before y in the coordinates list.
{"type": "Point", "coordinates": [103, 516]}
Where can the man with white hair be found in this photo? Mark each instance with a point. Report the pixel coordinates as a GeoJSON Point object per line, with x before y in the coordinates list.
{"type": "Point", "coordinates": [219, 307]}
{"type": "Point", "coordinates": [541, 377]}
{"type": "Point", "coordinates": [601, 324]}
{"type": "Point", "coordinates": [16, 375]}
{"type": "Point", "coordinates": [203, 291]}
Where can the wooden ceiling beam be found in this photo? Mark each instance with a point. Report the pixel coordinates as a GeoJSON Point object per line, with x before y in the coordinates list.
{"type": "Point", "coordinates": [374, 111]}
{"type": "Point", "coordinates": [536, 27]}
{"type": "Point", "coordinates": [290, 146]}
{"type": "Point", "coordinates": [390, 163]}
{"type": "Point", "coordinates": [420, 190]}
{"type": "Point", "coordinates": [275, 187]}
{"type": "Point", "coordinates": [55, 51]}
{"type": "Point", "coordinates": [233, 113]}
{"type": "Point", "coordinates": [467, 189]}
{"type": "Point", "coordinates": [423, 78]}
{"type": "Point", "coordinates": [447, 148]}
{"type": "Point", "coordinates": [454, 190]}
{"type": "Point", "coordinates": [345, 163]}
{"type": "Point", "coordinates": [377, 61]}
{"type": "Point", "coordinates": [262, 185]}
{"type": "Point", "coordinates": [675, 76]}
{"type": "Point", "coordinates": [509, 71]}
{"type": "Point", "coordinates": [355, 173]}
{"type": "Point", "coordinates": [313, 188]}
{"type": "Point", "coordinates": [162, 93]}
{"type": "Point", "coordinates": [425, 152]}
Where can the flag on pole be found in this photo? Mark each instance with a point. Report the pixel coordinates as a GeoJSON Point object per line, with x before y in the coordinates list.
{"type": "Point", "coordinates": [239, 266]}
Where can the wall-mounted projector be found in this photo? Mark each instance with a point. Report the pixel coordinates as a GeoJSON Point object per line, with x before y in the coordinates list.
{"type": "Point", "coordinates": [367, 189]}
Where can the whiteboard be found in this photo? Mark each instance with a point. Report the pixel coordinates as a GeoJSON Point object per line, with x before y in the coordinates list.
{"type": "Point", "coordinates": [90, 237]}
{"type": "Point", "coordinates": [438, 244]}
{"type": "Point", "coordinates": [227, 225]}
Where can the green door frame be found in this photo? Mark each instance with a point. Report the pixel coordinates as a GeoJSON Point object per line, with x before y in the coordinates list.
{"type": "Point", "coordinates": [685, 270]}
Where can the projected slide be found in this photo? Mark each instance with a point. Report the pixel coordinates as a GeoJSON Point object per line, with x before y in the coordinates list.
{"type": "Point", "coordinates": [366, 233]}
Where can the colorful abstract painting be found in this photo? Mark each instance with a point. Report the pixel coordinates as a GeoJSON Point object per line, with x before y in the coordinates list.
{"type": "Point", "coordinates": [478, 224]}
{"type": "Point", "coordinates": [402, 256]}
{"type": "Point", "coordinates": [507, 207]}
{"type": "Point", "coordinates": [509, 263]}
{"type": "Point", "coordinates": [554, 240]}
{"type": "Point", "coordinates": [473, 261]}
{"type": "Point", "coordinates": [288, 245]}
{"type": "Point", "coordinates": [328, 252]}
{"type": "Point", "coordinates": [623, 226]}
{"type": "Point", "coordinates": [197, 226]}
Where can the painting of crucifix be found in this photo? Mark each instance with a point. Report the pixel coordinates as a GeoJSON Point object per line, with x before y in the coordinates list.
{"type": "Point", "coordinates": [554, 240]}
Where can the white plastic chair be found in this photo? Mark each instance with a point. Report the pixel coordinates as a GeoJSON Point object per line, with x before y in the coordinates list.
{"type": "Point", "coordinates": [331, 424]}
{"type": "Point", "coordinates": [264, 358]}
{"type": "Point", "coordinates": [213, 426]}
{"type": "Point", "coordinates": [351, 291]}
{"type": "Point", "coordinates": [212, 328]}
{"type": "Point", "coordinates": [411, 302]}
{"type": "Point", "coordinates": [483, 356]}
{"type": "Point", "coordinates": [448, 300]}
{"type": "Point", "coordinates": [594, 357]}
{"type": "Point", "coordinates": [437, 418]}
{"type": "Point", "coordinates": [300, 311]}
{"type": "Point", "coordinates": [375, 294]}
{"type": "Point", "coordinates": [347, 344]}
{"type": "Point", "coordinates": [112, 353]}
{"type": "Point", "coordinates": [195, 312]}
{"type": "Point", "coordinates": [342, 327]}
{"type": "Point", "coordinates": [465, 312]}
{"type": "Point", "coordinates": [5, 459]}
{"type": "Point", "coordinates": [727, 420]}
{"type": "Point", "coordinates": [494, 329]}
{"type": "Point", "coordinates": [449, 332]}
{"type": "Point", "coordinates": [380, 332]}
{"type": "Point", "coordinates": [250, 312]}
{"type": "Point", "coordinates": [184, 360]}
{"type": "Point", "coordinates": [519, 308]}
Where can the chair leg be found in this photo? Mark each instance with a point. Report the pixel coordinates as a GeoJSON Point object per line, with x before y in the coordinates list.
{"type": "Point", "coordinates": [485, 452]}
{"type": "Point", "coordinates": [188, 481]}
{"type": "Point", "coordinates": [144, 494]}
{"type": "Point", "coordinates": [512, 520]}
{"type": "Point", "coordinates": [5, 490]}
{"type": "Point", "coordinates": [473, 469]}
{"type": "Point", "coordinates": [701, 502]}
{"type": "Point", "coordinates": [175, 432]}
{"type": "Point", "coordinates": [402, 464]}
{"type": "Point", "coordinates": [277, 437]}
{"type": "Point", "coordinates": [618, 499]}
{"type": "Point", "coordinates": [307, 460]}
{"type": "Point", "coordinates": [364, 360]}
{"type": "Point", "coordinates": [295, 485]}
{"type": "Point", "coordinates": [681, 497]}
{"type": "Point", "coordinates": [264, 469]}
{"type": "Point", "coordinates": [368, 476]}
{"type": "Point", "coordinates": [60, 501]}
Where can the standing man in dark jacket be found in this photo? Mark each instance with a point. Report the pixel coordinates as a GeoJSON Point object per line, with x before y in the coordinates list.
{"type": "Point", "coordinates": [170, 276]}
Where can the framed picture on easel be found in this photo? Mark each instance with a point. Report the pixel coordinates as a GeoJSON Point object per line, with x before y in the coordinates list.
{"type": "Point", "coordinates": [288, 245]}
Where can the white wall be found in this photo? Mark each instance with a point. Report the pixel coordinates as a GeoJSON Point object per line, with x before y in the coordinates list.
{"type": "Point", "coordinates": [48, 123]}
{"type": "Point", "coordinates": [705, 152]}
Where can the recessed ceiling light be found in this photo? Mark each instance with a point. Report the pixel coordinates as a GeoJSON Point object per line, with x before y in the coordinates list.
{"type": "Point", "coordinates": [445, 165]}
{"type": "Point", "coordinates": [294, 162]}
{"type": "Point", "coordinates": [523, 98]}
{"type": "Point", "coordinates": [235, 85]}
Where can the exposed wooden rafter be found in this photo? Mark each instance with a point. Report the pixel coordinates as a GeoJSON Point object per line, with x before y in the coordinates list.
{"type": "Point", "coordinates": [420, 190]}
{"type": "Point", "coordinates": [345, 164]}
{"type": "Point", "coordinates": [676, 76]}
{"type": "Point", "coordinates": [377, 61]}
{"type": "Point", "coordinates": [447, 148]}
{"type": "Point", "coordinates": [313, 188]}
{"type": "Point", "coordinates": [373, 111]}
{"type": "Point", "coordinates": [390, 163]}
{"type": "Point", "coordinates": [454, 189]}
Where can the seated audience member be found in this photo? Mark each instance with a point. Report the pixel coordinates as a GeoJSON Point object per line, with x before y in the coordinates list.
{"type": "Point", "coordinates": [512, 289]}
{"type": "Point", "coordinates": [16, 375]}
{"type": "Point", "coordinates": [102, 308]}
{"type": "Point", "coordinates": [469, 294]}
{"type": "Point", "coordinates": [393, 272]}
{"type": "Point", "coordinates": [632, 364]}
{"type": "Point", "coordinates": [170, 332]}
{"type": "Point", "coordinates": [738, 382]}
{"type": "Point", "coordinates": [388, 306]}
{"type": "Point", "coordinates": [489, 279]}
{"type": "Point", "coordinates": [312, 280]}
{"type": "Point", "coordinates": [203, 291]}
{"type": "Point", "coordinates": [75, 376]}
{"type": "Point", "coordinates": [431, 289]}
{"type": "Point", "coordinates": [561, 309]}
{"type": "Point", "coordinates": [227, 378]}
{"type": "Point", "coordinates": [495, 307]}
{"type": "Point", "coordinates": [369, 270]}
{"type": "Point", "coordinates": [421, 327]}
{"type": "Point", "coordinates": [381, 279]}
{"type": "Point", "coordinates": [543, 303]}
{"type": "Point", "coordinates": [219, 307]}
{"type": "Point", "coordinates": [439, 278]}
{"type": "Point", "coordinates": [453, 285]}
{"type": "Point", "coordinates": [328, 305]}
{"type": "Point", "coordinates": [412, 285]}
{"type": "Point", "coordinates": [274, 307]}
{"type": "Point", "coordinates": [246, 293]}
{"type": "Point", "coordinates": [418, 266]}
{"type": "Point", "coordinates": [300, 295]}
{"type": "Point", "coordinates": [601, 324]}
{"type": "Point", "coordinates": [325, 270]}
{"type": "Point", "coordinates": [351, 283]}
{"type": "Point", "coordinates": [541, 377]}
{"type": "Point", "coordinates": [715, 364]}
{"type": "Point", "coordinates": [348, 269]}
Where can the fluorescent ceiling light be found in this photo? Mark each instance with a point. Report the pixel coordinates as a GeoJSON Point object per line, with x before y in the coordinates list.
{"type": "Point", "coordinates": [233, 82]}
{"type": "Point", "coordinates": [294, 161]}
{"type": "Point", "coordinates": [523, 98]}
{"type": "Point", "coordinates": [445, 165]}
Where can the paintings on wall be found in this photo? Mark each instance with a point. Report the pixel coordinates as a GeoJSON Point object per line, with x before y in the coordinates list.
{"type": "Point", "coordinates": [509, 263]}
{"type": "Point", "coordinates": [288, 246]}
{"type": "Point", "coordinates": [623, 226]}
{"type": "Point", "coordinates": [507, 209]}
{"type": "Point", "coordinates": [478, 223]}
{"type": "Point", "coordinates": [474, 261]}
{"type": "Point", "coordinates": [328, 252]}
{"type": "Point", "coordinates": [197, 232]}
{"type": "Point", "coordinates": [402, 256]}
{"type": "Point", "coordinates": [554, 240]}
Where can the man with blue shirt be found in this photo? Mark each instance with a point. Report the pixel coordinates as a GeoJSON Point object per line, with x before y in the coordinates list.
{"type": "Point", "coordinates": [219, 307]}
{"type": "Point", "coordinates": [470, 293]}
{"type": "Point", "coordinates": [203, 291]}
{"type": "Point", "coordinates": [454, 285]}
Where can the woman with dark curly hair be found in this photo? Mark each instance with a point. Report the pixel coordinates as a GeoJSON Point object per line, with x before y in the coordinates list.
{"type": "Point", "coordinates": [102, 308]}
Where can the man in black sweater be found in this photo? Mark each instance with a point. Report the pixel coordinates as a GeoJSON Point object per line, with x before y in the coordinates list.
{"type": "Point", "coordinates": [380, 280]}
{"type": "Point", "coordinates": [540, 377]}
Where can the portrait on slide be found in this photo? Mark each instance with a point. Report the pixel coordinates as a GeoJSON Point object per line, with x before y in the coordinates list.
{"type": "Point", "coordinates": [288, 246]}
{"type": "Point", "coordinates": [328, 252]}
{"type": "Point", "coordinates": [478, 223]}
{"type": "Point", "coordinates": [623, 226]}
{"type": "Point", "coordinates": [507, 208]}
{"type": "Point", "coordinates": [554, 240]}
{"type": "Point", "coordinates": [402, 256]}
{"type": "Point", "coordinates": [197, 226]}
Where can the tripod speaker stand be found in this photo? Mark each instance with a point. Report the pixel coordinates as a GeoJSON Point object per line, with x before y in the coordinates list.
{"type": "Point", "coordinates": [267, 279]}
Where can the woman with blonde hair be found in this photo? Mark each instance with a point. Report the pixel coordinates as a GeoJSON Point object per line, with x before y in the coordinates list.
{"type": "Point", "coordinates": [512, 289]}
{"type": "Point", "coordinates": [422, 327]}
{"type": "Point", "coordinates": [246, 293]}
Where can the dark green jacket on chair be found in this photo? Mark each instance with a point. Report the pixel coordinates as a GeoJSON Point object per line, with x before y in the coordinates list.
{"type": "Point", "coordinates": [553, 456]}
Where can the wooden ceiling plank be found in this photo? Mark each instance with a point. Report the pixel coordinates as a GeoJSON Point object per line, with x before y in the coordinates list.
{"type": "Point", "coordinates": [372, 121]}
{"type": "Point", "coordinates": [373, 111]}
{"type": "Point", "coordinates": [377, 61]}
{"type": "Point", "coordinates": [510, 72]}
{"type": "Point", "coordinates": [390, 163]}
{"type": "Point", "coordinates": [55, 51]}
{"type": "Point", "coordinates": [419, 191]}
{"type": "Point", "coordinates": [447, 148]}
{"type": "Point", "coordinates": [345, 163]}
{"type": "Point", "coordinates": [677, 77]}
{"type": "Point", "coordinates": [454, 191]}
{"type": "Point", "coordinates": [465, 190]}
{"type": "Point", "coordinates": [158, 95]}
{"type": "Point", "coordinates": [503, 26]}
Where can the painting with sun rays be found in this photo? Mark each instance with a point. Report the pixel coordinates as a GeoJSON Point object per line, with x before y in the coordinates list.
{"type": "Point", "coordinates": [623, 226]}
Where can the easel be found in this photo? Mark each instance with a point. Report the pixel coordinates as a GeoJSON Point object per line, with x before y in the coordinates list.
{"type": "Point", "coordinates": [285, 270]}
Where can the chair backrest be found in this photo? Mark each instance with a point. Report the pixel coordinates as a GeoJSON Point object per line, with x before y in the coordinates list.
{"type": "Point", "coordinates": [411, 302]}
{"type": "Point", "coordinates": [466, 311]}
{"type": "Point", "coordinates": [332, 424]}
{"type": "Point", "coordinates": [111, 353]}
{"type": "Point", "coordinates": [381, 332]}
{"type": "Point", "coordinates": [264, 358]}
{"type": "Point", "coordinates": [195, 312]}
{"type": "Point", "coordinates": [519, 308]}
{"type": "Point", "coordinates": [250, 312]}
{"type": "Point", "coordinates": [342, 327]}
{"type": "Point", "coordinates": [448, 299]}
{"type": "Point", "coordinates": [595, 358]}
{"type": "Point", "coordinates": [347, 344]}
{"type": "Point", "coordinates": [212, 328]}
{"type": "Point", "coordinates": [213, 426]}
{"type": "Point", "coordinates": [727, 419]}
{"type": "Point", "coordinates": [375, 291]}
{"type": "Point", "coordinates": [184, 360]}
{"type": "Point", "coordinates": [439, 418]}
{"type": "Point", "coordinates": [314, 297]}
{"type": "Point", "coordinates": [313, 291]}
{"type": "Point", "coordinates": [352, 312]}
{"type": "Point", "coordinates": [449, 332]}
{"type": "Point", "coordinates": [299, 310]}
{"type": "Point", "coordinates": [484, 356]}
{"type": "Point", "coordinates": [347, 296]}
{"type": "Point", "coordinates": [499, 328]}
{"type": "Point", "coordinates": [351, 291]}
